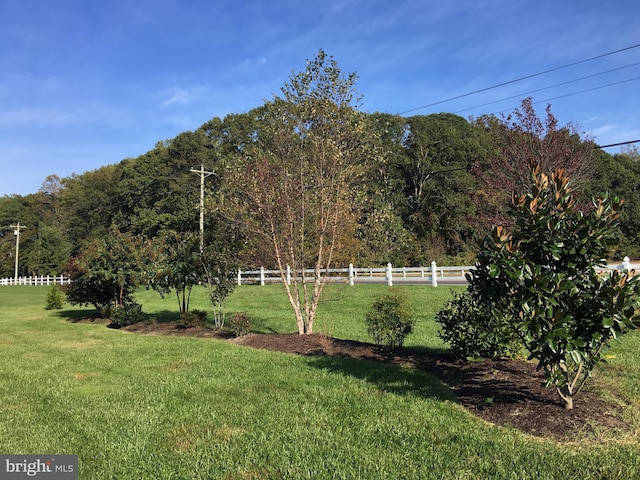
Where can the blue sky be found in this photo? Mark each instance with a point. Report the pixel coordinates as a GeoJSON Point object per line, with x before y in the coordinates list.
{"type": "Point", "coordinates": [84, 84]}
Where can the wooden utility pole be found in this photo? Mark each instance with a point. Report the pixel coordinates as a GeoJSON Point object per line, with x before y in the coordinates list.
{"type": "Point", "coordinates": [203, 174]}
{"type": "Point", "coordinates": [16, 232]}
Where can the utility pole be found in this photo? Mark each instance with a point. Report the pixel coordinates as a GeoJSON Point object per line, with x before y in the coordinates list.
{"type": "Point", "coordinates": [16, 232]}
{"type": "Point", "coordinates": [203, 174]}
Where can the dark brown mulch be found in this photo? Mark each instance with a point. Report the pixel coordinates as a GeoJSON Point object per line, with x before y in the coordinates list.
{"type": "Point", "coordinates": [504, 392]}
{"type": "Point", "coordinates": [171, 328]}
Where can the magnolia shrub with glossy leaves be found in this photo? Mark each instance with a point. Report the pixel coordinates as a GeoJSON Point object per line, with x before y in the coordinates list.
{"type": "Point", "coordinates": [543, 279]}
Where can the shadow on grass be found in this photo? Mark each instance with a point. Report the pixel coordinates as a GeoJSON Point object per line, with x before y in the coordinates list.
{"type": "Point", "coordinates": [262, 325]}
{"type": "Point", "coordinates": [385, 377]}
{"type": "Point", "coordinates": [75, 316]}
{"type": "Point", "coordinates": [90, 314]}
{"type": "Point", "coordinates": [164, 316]}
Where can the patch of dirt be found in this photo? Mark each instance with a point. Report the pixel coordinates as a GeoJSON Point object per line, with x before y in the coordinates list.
{"type": "Point", "coordinates": [504, 392]}
{"type": "Point", "coordinates": [170, 328]}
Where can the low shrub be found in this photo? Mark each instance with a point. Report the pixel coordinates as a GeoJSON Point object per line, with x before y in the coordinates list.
{"type": "Point", "coordinates": [474, 330]}
{"type": "Point", "coordinates": [55, 298]}
{"type": "Point", "coordinates": [126, 314]}
{"type": "Point", "coordinates": [192, 318]}
{"type": "Point", "coordinates": [390, 321]}
{"type": "Point", "coordinates": [106, 310]}
{"type": "Point", "coordinates": [241, 323]}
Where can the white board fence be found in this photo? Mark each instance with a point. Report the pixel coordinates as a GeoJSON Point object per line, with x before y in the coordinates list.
{"type": "Point", "coordinates": [451, 275]}
{"type": "Point", "coordinates": [36, 280]}
{"type": "Point", "coordinates": [353, 275]}
{"type": "Point", "coordinates": [433, 275]}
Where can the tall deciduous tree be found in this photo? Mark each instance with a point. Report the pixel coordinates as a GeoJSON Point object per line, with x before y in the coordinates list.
{"type": "Point", "coordinates": [382, 235]}
{"type": "Point", "coordinates": [49, 251]}
{"type": "Point", "coordinates": [24, 210]}
{"type": "Point", "coordinates": [441, 149]}
{"type": "Point", "coordinates": [523, 137]}
{"type": "Point", "coordinates": [298, 176]}
{"type": "Point", "coordinates": [90, 202]}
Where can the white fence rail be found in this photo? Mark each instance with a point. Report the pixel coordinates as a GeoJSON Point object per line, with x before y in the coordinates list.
{"type": "Point", "coordinates": [424, 275]}
{"type": "Point", "coordinates": [37, 280]}
{"type": "Point", "coordinates": [352, 275]}
{"type": "Point", "coordinates": [427, 275]}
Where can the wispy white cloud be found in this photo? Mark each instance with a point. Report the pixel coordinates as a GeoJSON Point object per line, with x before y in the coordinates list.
{"type": "Point", "coordinates": [178, 96]}
{"type": "Point", "coordinates": [253, 62]}
{"type": "Point", "coordinates": [607, 134]}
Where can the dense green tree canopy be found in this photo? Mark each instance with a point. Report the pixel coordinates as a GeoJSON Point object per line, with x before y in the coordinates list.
{"type": "Point", "coordinates": [441, 149]}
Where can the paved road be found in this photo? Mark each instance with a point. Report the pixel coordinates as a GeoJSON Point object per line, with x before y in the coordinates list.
{"type": "Point", "coordinates": [426, 281]}
{"type": "Point", "coordinates": [443, 281]}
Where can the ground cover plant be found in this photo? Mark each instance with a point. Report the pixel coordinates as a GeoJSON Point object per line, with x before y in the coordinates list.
{"type": "Point", "coordinates": [138, 406]}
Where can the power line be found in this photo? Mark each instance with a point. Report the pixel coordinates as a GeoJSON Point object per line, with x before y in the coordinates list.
{"type": "Point", "coordinates": [578, 92]}
{"type": "Point", "coordinates": [521, 95]}
{"type": "Point", "coordinates": [519, 79]}
{"type": "Point", "coordinates": [619, 143]}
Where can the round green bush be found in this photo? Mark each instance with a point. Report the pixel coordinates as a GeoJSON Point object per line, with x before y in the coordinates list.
{"type": "Point", "coordinates": [390, 320]}
{"type": "Point", "coordinates": [55, 298]}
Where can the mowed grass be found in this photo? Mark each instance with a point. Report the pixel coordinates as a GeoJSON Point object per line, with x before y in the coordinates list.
{"type": "Point", "coordinates": [151, 407]}
{"type": "Point", "coordinates": [341, 311]}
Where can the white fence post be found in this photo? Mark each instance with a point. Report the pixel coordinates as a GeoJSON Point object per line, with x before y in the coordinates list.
{"type": "Point", "coordinates": [434, 274]}
{"type": "Point", "coordinates": [239, 277]}
{"type": "Point", "coordinates": [389, 275]}
{"type": "Point", "coordinates": [351, 274]}
{"type": "Point", "coordinates": [262, 276]}
{"type": "Point", "coordinates": [288, 275]}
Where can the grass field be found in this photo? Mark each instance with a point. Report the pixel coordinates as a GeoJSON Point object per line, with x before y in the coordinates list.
{"type": "Point", "coordinates": [152, 407]}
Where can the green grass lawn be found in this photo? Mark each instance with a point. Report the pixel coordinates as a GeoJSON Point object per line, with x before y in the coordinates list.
{"type": "Point", "coordinates": [152, 407]}
{"type": "Point", "coordinates": [340, 314]}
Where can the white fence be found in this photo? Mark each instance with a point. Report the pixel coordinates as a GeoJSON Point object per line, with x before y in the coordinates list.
{"type": "Point", "coordinates": [37, 280]}
{"type": "Point", "coordinates": [351, 275]}
{"type": "Point", "coordinates": [428, 275]}
{"type": "Point", "coordinates": [423, 275]}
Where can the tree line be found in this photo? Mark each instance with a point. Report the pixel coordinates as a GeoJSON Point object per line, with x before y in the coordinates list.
{"type": "Point", "coordinates": [419, 188]}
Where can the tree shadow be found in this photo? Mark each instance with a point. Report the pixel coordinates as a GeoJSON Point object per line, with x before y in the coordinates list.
{"type": "Point", "coordinates": [387, 378]}
{"type": "Point", "coordinates": [90, 315]}
{"type": "Point", "coordinates": [164, 316]}
{"type": "Point", "coordinates": [262, 325]}
{"type": "Point", "coordinates": [75, 316]}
